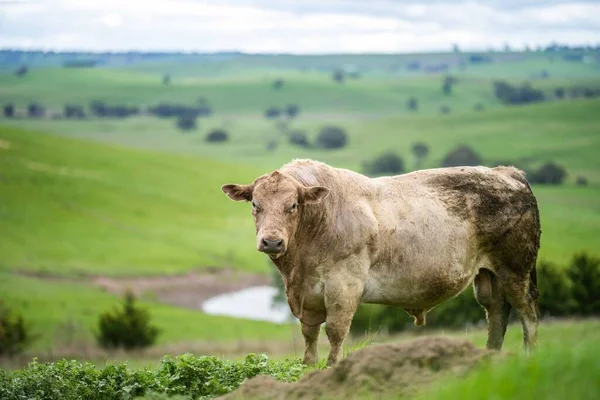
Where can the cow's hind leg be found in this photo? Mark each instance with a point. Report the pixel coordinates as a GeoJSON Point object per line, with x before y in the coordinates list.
{"type": "Point", "coordinates": [490, 296]}
{"type": "Point", "coordinates": [311, 337]}
{"type": "Point", "coordinates": [522, 295]}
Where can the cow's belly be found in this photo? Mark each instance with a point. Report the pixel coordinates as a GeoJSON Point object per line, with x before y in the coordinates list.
{"type": "Point", "coordinates": [417, 287]}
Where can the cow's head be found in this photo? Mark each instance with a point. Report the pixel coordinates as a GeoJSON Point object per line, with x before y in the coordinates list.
{"type": "Point", "coordinates": [277, 200]}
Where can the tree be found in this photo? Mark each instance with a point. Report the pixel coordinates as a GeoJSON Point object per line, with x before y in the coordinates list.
{"type": "Point", "coordinates": [388, 163]}
{"type": "Point", "coordinates": [444, 110]}
{"type": "Point", "coordinates": [186, 123]}
{"type": "Point", "coordinates": [447, 84]}
{"type": "Point", "coordinates": [128, 327]}
{"type": "Point", "coordinates": [35, 110]}
{"type": "Point", "coordinates": [331, 137]}
{"type": "Point", "coordinates": [420, 150]}
{"type": "Point", "coordinates": [74, 111]}
{"type": "Point", "coordinates": [277, 83]}
{"type": "Point", "coordinates": [9, 110]}
{"type": "Point", "coordinates": [272, 113]}
{"type": "Point", "coordinates": [22, 71]}
{"type": "Point", "coordinates": [550, 173]}
{"type": "Point", "coordinates": [461, 156]}
{"type": "Point", "coordinates": [292, 110]}
{"type": "Point", "coordinates": [338, 75]}
{"type": "Point", "coordinates": [478, 107]}
{"type": "Point", "coordinates": [217, 135]}
{"type": "Point", "coordinates": [299, 138]}
{"type": "Point", "coordinates": [166, 80]}
{"type": "Point", "coordinates": [559, 93]}
{"type": "Point", "coordinates": [412, 104]}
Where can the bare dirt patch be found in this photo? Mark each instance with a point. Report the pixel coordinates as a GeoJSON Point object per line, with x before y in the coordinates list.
{"type": "Point", "coordinates": [189, 290]}
{"type": "Point", "coordinates": [398, 369]}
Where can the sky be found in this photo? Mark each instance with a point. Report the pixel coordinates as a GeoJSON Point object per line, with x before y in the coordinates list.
{"type": "Point", "coordinates": [295, 26]}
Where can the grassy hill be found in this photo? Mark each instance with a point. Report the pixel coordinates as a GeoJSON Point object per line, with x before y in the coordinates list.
{"type": "Point", "coordinates": [68, 206]}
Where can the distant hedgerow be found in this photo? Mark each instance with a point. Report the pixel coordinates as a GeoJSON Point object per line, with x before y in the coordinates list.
{"type": "Point", "coordinates": [197, 377]}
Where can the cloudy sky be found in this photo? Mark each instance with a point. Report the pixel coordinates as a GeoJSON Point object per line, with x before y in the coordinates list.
{"type": "Point", "coordinates": [295, 26]}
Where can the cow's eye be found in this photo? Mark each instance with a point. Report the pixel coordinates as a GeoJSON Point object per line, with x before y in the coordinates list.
{"type": "Point", "coordinates": [255, 206]}
{"type": "Point", "coordinates": [293, 207]}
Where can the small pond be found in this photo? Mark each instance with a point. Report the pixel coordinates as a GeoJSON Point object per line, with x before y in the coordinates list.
{"type": "Point", "coordinates": [251, 303]}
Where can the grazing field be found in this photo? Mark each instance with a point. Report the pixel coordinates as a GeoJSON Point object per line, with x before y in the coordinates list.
{"type": "Point", "coordinates": [138, 197]}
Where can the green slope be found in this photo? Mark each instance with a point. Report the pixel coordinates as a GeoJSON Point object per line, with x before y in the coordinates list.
{"type": "Point", "coordinates": [70, 206]}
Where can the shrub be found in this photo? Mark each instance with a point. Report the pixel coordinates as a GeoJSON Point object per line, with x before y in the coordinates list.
{"type": "Point", "coordinates": [9, 110]}
{"type": "Point", "coordinates": [559, 93]}
{"type": "Point", "coordinates": [272, 113]}
{"type": "Point", "coordinates": [166, 79]}
{"type": "Point", "coordinates": [461, 156]}
{"type": "Point", "coordinates": [299, 138]}
{"type": "Point", "coordinates": [555, 294]}
{"type": "Point", "coordinates": [386, 163]}
{"type": "Point", "coordinates": [15, 335]}
{"type": "Point", "coordinates": [128, 327]}
{"type": "Point", "coordinates": [186, 123]}
{"type": "Point", "coordinates": [584, 273]}
{"type": "Point", "coordinates": [217, 135]}
{"type": "Point", "coordinates": [331, 137]}
{"type": "Point", "coordinates": [549, 173]}
{"type": "Point", "coordinates": [478, 107]}
{"type": "Point", "coordinates": [445, 110]}
{"type": "Point", "coordinates": [581, 181]}
{"type": "Point", "coordinates": [194, 377]}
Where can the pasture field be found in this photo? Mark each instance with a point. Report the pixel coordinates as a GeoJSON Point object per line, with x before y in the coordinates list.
{"type": "Point", "coordinates": [137, 197]}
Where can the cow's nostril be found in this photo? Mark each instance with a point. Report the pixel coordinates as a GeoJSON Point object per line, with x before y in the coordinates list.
{"type": "Point", "coordinates": [265, 243]}
{"type": "Point", "coordinates": [279, 243]}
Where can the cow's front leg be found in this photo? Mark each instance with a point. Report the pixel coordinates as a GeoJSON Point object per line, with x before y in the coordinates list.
{"type": "Point", "coordinates": [311, 338]}
{"type": "Point", "coordinates": [342, 297]}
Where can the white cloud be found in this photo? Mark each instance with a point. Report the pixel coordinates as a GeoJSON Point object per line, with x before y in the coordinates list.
{"type": "Point", "coordinates": [296, 26]}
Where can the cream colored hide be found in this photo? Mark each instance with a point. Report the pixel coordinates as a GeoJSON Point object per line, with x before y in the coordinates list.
{"type": "Point", "coordinates": [340, 238]}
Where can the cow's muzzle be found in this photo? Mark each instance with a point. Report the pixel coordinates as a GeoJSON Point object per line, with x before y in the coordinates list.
{"type": "Point", "coordinates": [271, 246]}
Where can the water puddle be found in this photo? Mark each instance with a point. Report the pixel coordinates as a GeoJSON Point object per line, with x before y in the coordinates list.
{"type": "Point", "coordinates": [254, 303]}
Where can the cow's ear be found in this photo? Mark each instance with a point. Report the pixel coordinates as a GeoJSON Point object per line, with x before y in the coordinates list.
{"type": "Point", "coordinates": [313, 194]}
{"type": "Point", "coordinates": [238, 192]}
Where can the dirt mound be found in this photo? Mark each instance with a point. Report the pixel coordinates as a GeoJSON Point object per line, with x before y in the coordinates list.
{"type": "Point", "coordinates": [399, 369]}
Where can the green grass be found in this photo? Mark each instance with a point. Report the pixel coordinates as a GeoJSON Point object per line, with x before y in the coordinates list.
{"type": "Point", "coordinates": [566, 366]}
{"type": "Point", "coordinates": [49, 306]}
{"type": "Point", "coordinates": [69, 206]}
{"type": "Point", "coordinates": [564, 132]}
